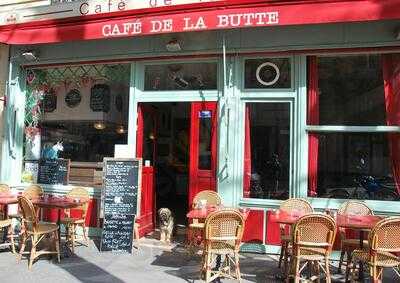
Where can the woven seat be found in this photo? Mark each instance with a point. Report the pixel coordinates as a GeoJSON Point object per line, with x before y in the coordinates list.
{"type": "Point", "coordinates": [36, 232]}
{"type": "Point", "coordinates": [71, 223]}
{"type": "Point", "coordinates": [302, 206]}
{"type": "Point", "coordinates": [313, 238]}
{"type": "Point", "coordinates": [67, 220]}
{"type": "Point", "coordinates": [43, 228]}
{"type": "Point", "coordinates": [196, 225]}
{"type": "Point", "coordinates": [196, 228]}
{"type": "Point", "coordinates": [383, 259]}
{"type": "Point", "coordinates": [223, 235]}
{"type": "Point", "coordinates": [384, 243]}
{"type": "Point", "coordinates": [347, 244]}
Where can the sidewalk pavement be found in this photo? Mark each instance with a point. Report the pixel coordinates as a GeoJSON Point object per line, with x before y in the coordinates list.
{"type": "Point", "coordinates": [152, 262]}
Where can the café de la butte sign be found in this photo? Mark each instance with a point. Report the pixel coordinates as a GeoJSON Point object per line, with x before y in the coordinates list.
{"type": "Point", "coordinates": [85, 8]}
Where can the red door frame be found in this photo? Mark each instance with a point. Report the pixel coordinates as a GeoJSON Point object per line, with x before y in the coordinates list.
{"type": "Point", "coordinates": [146, 218]}
{"type": "Point", "coordinates": [200, 180]}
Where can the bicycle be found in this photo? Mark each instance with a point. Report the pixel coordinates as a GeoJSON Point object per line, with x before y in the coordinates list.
{"type": "Point", "coordinates": [368, 187]}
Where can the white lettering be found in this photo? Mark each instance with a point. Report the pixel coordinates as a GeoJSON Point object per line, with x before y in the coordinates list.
{"type": "Point", "coordinates": [248, 19]}
{"type": "Point", "coordinates": [161, 26]}
{"type": "Point", "coordinates": [115, 30]}
{"type": "Point", "coordinates": [273, 18]}
{"type": "Point", "coordinates": [137, 27]}
{"type": "Point", "coordinates": [106, 30]}
{"type": "Point", "coordinates": [223, 21]}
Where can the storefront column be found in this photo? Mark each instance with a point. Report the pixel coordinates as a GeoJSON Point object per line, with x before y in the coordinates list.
{"type": "Point", "coordinates": [12, 147]}
{"type": "Point", "coordinates": [227, 187]}
{"type": "Point", "coordinates": [4, 55]}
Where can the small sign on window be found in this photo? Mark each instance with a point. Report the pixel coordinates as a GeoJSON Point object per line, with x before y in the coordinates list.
{"type": "Point", "coordinates": [204, 114]}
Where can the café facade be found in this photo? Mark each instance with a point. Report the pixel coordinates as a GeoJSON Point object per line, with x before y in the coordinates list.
{"type": "Point", "coordinates": [258, 100]}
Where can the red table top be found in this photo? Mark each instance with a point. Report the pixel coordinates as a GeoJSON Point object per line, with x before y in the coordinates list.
{"type": "Point", "coordinates": [9, 198]}
{"type": "Point", "coordinates": [283, 217]}
{"type": "Point", "coordinates": [357, 221]}
{"type": "Point", "coordinates": [345, 221]}
{"type": "Point", "coordinates": [50, 202]}
{"type": "Point", "coordinates": [57, 202]}
{"type": "Point", "coordinates": [203, 213]}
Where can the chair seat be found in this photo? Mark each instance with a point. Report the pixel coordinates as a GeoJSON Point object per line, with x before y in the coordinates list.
{"type": "Point", "coordinates": [71, 220]}
{"type": "Point", "coordinates": [44, 228]}
{"type": "Point", "coordinates": [5, 223]}
{"type": "Point", "coordinates": [312, 253]}
{"type": "Point", "coordinates": [222, 247]}
{"type": "Point", "coordinates": [197, 225]}
{"type": "Point", "coordinates": [384, 259]}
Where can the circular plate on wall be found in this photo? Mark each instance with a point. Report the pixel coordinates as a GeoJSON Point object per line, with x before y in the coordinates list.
{"type": "Point", "coordinates": [73, 98]}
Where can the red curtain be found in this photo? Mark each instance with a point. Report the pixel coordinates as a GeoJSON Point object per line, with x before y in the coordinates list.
{"type": "Point", "coordinates": [312, 119]}
{"type": "Point", "coordinates": [247, 156]}
{"type": "Point", "coordinates": [391, 77]}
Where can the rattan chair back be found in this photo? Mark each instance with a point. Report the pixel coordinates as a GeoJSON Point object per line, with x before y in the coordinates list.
{"type": "Point", "coordinates": [355, 208]}
{"type": "Point", "coordinates": [28, 213]}
{"type": "Point", "coordinates": [83, 195]}
{"type": "Point", "coordinates": [298, 204]}
{"type": "Point", "coordinates": [4, 188]}
{"type": "Point", "coordinates": [385, 236]}
{"type": "Point", "coordinates": [33, 191]}
{"type": "Point", "coordinates": [226, 226]}
{"type": "Point", "coordinates": [211, 197]}
{"type": "Point", "coordinates": [314, 230]}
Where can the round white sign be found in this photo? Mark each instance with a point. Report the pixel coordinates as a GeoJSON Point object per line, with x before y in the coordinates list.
{"type": "Point", "coordinates": [260, 80]}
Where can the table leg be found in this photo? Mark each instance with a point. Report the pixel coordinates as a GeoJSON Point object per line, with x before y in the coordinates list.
{"type": "Point", "coordinates": [361, 270]}
{"type": "Point", "coordinates": [5, 207]}
{"type": "Point", "coordinates": [59, 227]}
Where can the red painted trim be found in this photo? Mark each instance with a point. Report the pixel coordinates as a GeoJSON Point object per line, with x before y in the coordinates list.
{"type": "Point", "coordinates": [200, 179]}
{"type": "Point", "coordinates": [298, 13]}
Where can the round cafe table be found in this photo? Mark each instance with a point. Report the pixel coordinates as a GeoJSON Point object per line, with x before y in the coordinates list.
{"type": "Point", "coordinates": [361, 223]}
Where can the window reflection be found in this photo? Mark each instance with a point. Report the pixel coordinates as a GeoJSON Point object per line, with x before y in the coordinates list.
{"type": "Point", "coordinates": [188, 76]}
{"type": "Point", "coordinates": [355, 166]}
{"type": "Point", "coordinates": [267, 150]}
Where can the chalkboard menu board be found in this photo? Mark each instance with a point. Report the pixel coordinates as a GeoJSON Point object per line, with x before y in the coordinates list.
{"type": "Point", "coordinates": [122, 179]}
{"type": "Point", "coordinates": [50, 101]}
{"type": "Point", "coordinates": [54, 171]}
{"type": "Point", "coordinates": [100, 98]}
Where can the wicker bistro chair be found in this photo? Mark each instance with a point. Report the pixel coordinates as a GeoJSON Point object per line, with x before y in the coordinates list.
{"type": "Point", "coordinates": [6, 226]}
{"type": "Point", "coordinates": [384, 242]}
{"type": "Point", "coordinates": [349, 244]}
{"type": "Point", "coordinates": [33, 191]}
{"type": "Point", "coordinates": [196, 228]}
{"type": "Point", "coordinates": [4, 188]}
{"type": "Point", "coordinates": [71, 223]}
{"type": "Point", "coordinates": [313, 238]}
{"type": "Point", "coordinates": [223, 235]}
{"type": "Point", "coordinates": [300, 205]}
{"type": "Point", "coordinates": [36, 231]}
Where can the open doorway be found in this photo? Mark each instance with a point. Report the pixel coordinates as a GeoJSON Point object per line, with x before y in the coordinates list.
{"type": "Point", "coordinates": [166, 133]}
{"type": "Point", "coordinates": [177, 141]}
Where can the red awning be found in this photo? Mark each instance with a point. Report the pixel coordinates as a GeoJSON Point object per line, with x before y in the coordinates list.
{"type": "Point", "coordinates": [129, 24]}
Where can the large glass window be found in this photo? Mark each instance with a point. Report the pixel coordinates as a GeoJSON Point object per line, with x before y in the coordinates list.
{"type": "Point", "coordinates": [185, 76]}
{"type": "Point", "coordinates": [349, 156]}
{"type": "Point", "coordinates": [267, 151]}
{"type": "Point", "coordinates": [78, 113]}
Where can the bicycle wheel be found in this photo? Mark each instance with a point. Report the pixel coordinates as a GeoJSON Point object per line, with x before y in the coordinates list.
{"type": "Point", "coordinates": [339, 193]}
{"type": "Point", "coordinates": [385, 194]}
